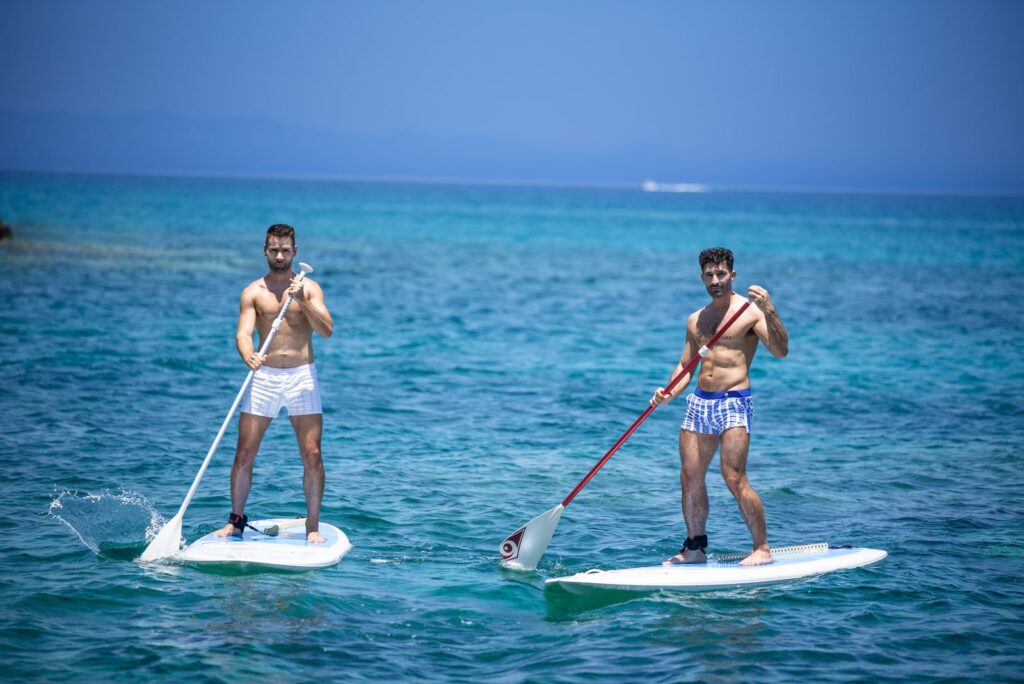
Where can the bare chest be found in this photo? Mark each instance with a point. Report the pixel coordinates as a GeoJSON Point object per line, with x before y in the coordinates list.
{"type": "Point", "coordinates": [739, 336]}
{"type": "Point", "coordinates": [268, 305]}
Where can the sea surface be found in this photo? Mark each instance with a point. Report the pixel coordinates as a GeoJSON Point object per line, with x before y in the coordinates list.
{"type": "Point", "coordinates": [490, 344]}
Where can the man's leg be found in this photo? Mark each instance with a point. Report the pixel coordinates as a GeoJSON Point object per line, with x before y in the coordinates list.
{"type": "Point", "coordinates": [308, 429]}
{"type": "Point", "coordinates": [735, 445]}
{"type": "Point", "coordinates": [250, 433]}
{"type": "Point", "coordinates": [695, 453]}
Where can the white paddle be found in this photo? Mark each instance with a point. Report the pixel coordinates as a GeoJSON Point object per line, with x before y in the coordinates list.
{"type": "Point", "coordinates": [523, 548]}
{"type": "Point", "coordinates": [168, 540]}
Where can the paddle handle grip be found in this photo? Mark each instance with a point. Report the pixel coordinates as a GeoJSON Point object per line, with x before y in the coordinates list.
{"type": "Point", "coordinates": [650, 409]}
{"type": "Point", "coordinates": [274, 327]}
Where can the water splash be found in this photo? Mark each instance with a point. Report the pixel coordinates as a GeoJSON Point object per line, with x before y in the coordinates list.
{"type": "Point", "coordinates": [112, 525]}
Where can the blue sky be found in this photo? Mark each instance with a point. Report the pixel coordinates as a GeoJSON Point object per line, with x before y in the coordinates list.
{"type": "Point", "coordinates": [833, 95]}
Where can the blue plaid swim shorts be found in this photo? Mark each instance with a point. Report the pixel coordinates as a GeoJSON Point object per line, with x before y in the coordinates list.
{"type": "Point", "coordinates": [711, 413]}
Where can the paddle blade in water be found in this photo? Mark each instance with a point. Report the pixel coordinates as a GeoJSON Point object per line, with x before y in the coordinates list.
{"type": "Point", "coordinates": [523, 549]}
{"type": "Point", "coordinates": [166, 543]}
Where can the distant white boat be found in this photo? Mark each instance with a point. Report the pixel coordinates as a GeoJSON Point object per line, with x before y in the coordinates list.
{"type": "Point", "coordinates": [653, 186]}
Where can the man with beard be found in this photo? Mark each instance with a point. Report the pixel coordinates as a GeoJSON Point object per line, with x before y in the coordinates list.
{"type": "Point", "coordinates": [285, 376]}
{"type": "Point", "coordinates": [719, 412]}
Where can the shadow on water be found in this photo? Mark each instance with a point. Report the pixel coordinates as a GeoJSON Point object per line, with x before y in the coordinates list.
{"type": "Point", "coordinates": [562, 604]}
{"type": "Point", "coordinates": [566, 606]}
{"type": "Point", "coordinates": [242, 569]}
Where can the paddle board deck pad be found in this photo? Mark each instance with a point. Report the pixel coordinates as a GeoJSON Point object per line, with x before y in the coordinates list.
{"type": "Point", "coordinates": [288, 550]}
{"type": "Point", "coordinates": [715, 574]}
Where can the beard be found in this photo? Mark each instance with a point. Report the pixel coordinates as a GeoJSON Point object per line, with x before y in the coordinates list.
{"type": "Point", "coordinates": [280, 268]}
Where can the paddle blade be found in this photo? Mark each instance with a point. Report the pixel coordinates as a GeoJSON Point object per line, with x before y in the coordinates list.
{"type": "Point", "coordinates": [523, 548]}
{"type": "Point", "coordinates": [166, 543]}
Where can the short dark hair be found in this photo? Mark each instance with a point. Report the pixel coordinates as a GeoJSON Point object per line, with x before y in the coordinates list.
{"type": "Point", "coordinates": [279, 230]}
{"type": "Point", "coordinates": [715, 256]}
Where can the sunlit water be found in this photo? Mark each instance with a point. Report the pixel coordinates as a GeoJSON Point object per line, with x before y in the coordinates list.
{"type": "Point", "coordinates": [490, 344]}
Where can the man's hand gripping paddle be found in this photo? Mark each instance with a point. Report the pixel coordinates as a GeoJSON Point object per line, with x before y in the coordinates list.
{"type": "Point", "coordinates": [523, 548]}
{"type": "Point", "coordinates": [168, 540]}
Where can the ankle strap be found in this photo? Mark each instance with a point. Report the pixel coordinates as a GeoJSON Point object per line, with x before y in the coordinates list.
{"type": "Point", "coordinates": [239, 521]}
{"type": "Point", "coordinates": [700, 542]}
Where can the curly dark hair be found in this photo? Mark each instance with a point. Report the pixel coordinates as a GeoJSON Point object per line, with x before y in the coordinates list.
{"type": "Point", "coordinates": [715, 256]}
{"type": "Point", "coordinates": [279, 230]}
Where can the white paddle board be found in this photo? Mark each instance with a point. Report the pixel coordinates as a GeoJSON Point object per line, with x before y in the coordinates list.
{"type": "Point", "coordinates": [805, 561]}
{"type": "Point", "coordinates": [289, 550]}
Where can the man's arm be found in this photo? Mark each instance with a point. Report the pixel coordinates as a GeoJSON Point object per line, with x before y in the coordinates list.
{"type": "Point", "coordinates": [689, 349]}
{"type": "Point", "coordinates": [310, 297]}
{"type": "Point", "coordinates": [769, 328]}
{"type": "Point", "coordinates": [246, 325]}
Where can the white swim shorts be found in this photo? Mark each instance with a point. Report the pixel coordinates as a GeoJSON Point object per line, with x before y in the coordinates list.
{"type": "Point", "coordinates": [294, 388]}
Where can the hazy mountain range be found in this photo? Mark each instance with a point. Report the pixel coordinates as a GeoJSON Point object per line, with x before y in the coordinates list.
{"type": "Point", "coordinates": [162, 143]}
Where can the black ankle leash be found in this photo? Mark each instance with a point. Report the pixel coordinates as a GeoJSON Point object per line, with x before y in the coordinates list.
{"type": "Point", "coordinates": [698, 543]}
{"type": "Point", "coordinates": [242, 521]}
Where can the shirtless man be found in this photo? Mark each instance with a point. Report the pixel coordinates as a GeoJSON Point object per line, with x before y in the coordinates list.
{"type": "Point", "coordinates": [285, 376]}
{"type": "Point", "coordinates": [719, 412]}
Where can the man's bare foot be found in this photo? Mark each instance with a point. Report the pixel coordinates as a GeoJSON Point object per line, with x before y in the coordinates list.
{"type": "Point", "coordinates": [758, 557]}
{"type": "Point", "coordinates": [314, 537]}
{"type": "Point", "coordinates": [226, 531]}
{"type": "Point", "coordinates": [686, 557]}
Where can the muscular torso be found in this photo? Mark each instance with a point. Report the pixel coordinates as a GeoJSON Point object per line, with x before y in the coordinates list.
{"type": "Point", "coordinates": [293, 344]}
{"type": "Point", "coordinates": [727, 365]}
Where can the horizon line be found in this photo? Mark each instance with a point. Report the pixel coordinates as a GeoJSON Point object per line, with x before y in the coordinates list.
{"type": "Point", "coordinates": [577, 184]}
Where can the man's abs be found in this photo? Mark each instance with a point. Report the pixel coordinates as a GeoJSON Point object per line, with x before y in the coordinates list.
{"type": "Point", "coordinates": [720, 373]}
{"type": "Point", "coordinates": [290, 348]}
{"type": "Point", "coordinates": [289, 356]}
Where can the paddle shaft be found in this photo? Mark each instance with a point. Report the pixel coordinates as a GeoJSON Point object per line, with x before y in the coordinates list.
{"type": "Point", "coordinates": [234, 406]}
{"type": "Point", "coordinates": [650, 409]}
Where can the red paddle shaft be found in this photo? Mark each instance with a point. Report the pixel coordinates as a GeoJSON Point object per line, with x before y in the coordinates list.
{"type": "Point", "coordinates": [643, 416]}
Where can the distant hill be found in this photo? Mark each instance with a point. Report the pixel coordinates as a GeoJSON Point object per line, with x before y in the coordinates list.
{"type": "Point", "coordinates": [161, 143]}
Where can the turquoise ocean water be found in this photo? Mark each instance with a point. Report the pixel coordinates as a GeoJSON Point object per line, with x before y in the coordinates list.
{"type": "Point", "coordinates": [490, 344]}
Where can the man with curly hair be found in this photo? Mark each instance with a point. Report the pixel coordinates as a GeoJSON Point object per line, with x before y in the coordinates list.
{"type": "Point", "coordinates": [719, 412]}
